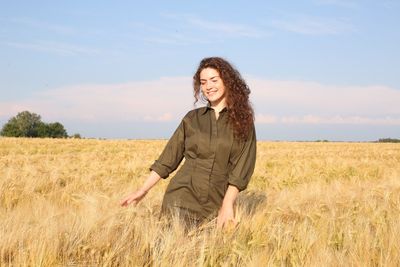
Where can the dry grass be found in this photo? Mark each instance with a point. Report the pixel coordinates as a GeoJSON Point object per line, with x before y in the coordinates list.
{"type": "Point", "coordinates": [314, 204]}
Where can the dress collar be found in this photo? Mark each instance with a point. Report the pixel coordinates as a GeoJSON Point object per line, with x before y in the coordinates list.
{"type": "Point", "coordinates": [208, 107]}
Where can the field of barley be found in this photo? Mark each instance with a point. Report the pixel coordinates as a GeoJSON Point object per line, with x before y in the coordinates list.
{"type": "Point", "coordinates": [308, 204]}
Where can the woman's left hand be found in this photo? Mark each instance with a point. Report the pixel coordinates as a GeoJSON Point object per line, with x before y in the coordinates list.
{"type": "Point", "coordinates": [226, 216]}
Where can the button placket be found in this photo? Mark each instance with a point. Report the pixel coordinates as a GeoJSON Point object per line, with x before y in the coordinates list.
{"type": "Point", "coordinates": [213, 147]}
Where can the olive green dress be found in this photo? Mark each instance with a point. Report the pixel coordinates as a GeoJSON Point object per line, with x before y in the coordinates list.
{"type": "Point", "coordinates": [213, 160]}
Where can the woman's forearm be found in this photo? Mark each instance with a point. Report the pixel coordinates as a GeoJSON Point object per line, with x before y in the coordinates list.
{"type": "Point", "coordinates": [230, 195]}
{"type": "Point", "coordinates": [151, 180]}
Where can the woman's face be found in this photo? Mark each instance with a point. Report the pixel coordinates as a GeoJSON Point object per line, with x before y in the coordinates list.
{"type": "Point", "coordinates": [212, 86]}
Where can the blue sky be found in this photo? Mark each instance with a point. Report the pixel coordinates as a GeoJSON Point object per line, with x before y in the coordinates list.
{"type": "Point", "coordinates": [318, 69]}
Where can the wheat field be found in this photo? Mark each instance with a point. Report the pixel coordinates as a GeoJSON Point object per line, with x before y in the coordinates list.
{"type": "Point", "coordinates": [308, 204]}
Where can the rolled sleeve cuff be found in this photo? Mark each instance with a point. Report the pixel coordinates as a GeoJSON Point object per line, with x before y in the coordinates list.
{"type": "Point", "coordinates": [159, 169]}
{"type": "Point", "coordinates": [240, 185]}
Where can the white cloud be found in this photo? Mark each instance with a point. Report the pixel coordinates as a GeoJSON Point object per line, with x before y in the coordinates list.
{"type": "Point", "coordinates": [164, 117]}
{"type": "Point", "coordinates": [314, 119]}
{"type": "Point", "coordinates": [300, 98]}
{"type": "Point", "coordinates": [159, 100]}
{"type": "Point", "coordinates": [169, 98]}
{"type": "Point", "coordinates": [267, 119]}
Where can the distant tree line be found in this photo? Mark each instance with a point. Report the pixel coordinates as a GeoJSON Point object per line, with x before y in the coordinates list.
{"type": "Point", "coordinates": [389, 140]}
{"type": "Point", "coordinates": [27, 124]}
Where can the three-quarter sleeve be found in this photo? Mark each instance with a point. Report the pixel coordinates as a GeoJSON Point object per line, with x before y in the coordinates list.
{"type": "Point", "coordinates": [172, 154]}
{"type": "Point", "coordinates": [244, 163]}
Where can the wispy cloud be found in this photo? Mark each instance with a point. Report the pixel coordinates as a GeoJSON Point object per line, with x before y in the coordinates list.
{"type": "Point", "coordinates": [229, 29]}
{"type": "Point", "coordinates": [390, 4]}
{"type": "Point", "coordinates": [42, 25]}
{"type": "Point", "coordinates": [63, 49]}
{"type": "Point", "coordinates": [164, 34]}
{"type": "Point", "coordinates": [313, 25]}
{"type": "Point", "coordinates": [174, 39]}
{"type": "Point", "coordinates": [184, 29]}
{"type": "Point", "coordinates": [339, 3]}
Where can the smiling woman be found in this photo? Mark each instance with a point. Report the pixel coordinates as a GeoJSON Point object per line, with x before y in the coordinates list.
{"type": "Point", "coordinates": [218, 143]}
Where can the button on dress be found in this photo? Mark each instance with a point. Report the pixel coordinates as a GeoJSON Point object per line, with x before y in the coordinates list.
{"type": "Point", "coordinates": [213, 160]}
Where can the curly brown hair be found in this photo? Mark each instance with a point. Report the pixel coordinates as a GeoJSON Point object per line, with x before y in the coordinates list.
{"type": "Point", "coordinates": [241, 114]}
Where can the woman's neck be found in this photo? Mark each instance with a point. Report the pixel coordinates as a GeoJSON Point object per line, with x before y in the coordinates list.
{"type": "Point", "coordinates": [218, 106]}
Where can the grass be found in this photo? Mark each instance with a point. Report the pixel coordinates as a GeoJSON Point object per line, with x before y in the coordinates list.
{"type": "Point", "coordinates": [314, 204]}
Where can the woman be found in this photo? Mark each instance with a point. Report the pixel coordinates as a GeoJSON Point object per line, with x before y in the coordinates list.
{"type": "Point", "coordinates": [218, 143]}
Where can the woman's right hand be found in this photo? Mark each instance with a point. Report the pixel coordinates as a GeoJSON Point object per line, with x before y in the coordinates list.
{"type": "Point", "coordinates": [135, 197]}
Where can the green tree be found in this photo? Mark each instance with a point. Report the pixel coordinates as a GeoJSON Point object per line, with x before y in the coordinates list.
{"type": "Point", "coordinates": [56, 130]}
{"type": "Point", "coordinates": [25, 124]}
{"type": "Point", "coordinates": [43, 130]}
